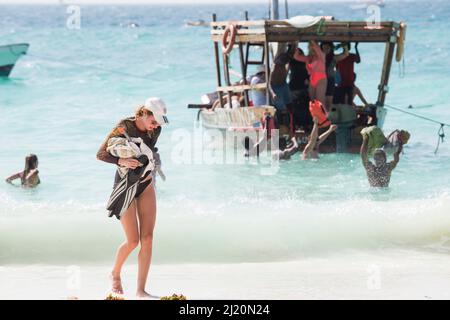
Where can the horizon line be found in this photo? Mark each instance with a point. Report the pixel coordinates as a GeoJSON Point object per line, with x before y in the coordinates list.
{"type": "Point", "coordinates": [161, 2]}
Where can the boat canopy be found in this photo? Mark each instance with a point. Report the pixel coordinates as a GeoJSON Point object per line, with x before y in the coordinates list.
{"type": "Point", "coordinates": [326, 30]}
{"type": "Point", "coordinates": [264, 33]}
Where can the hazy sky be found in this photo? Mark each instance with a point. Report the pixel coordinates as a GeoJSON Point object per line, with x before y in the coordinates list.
{"type": "Point", "coordinates": [150, 1]}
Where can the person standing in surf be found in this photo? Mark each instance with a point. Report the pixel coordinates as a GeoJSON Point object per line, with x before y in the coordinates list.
{"type": "Point", "coordinates": [138, 221]}
{"type": "Point", "coordinates": [378, 174]}
{"type": "Point", "coordinates": [29, 177]}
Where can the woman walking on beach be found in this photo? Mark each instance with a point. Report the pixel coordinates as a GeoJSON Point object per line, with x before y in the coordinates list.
{"type": "Point", "coordinates": [138, 221]}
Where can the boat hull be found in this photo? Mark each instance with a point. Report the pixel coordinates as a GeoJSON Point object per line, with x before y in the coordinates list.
{"type": "Point", "coordinates": [6, 70]}
{"type": "Point", "coordinates": [9, 55]}
{"type": "Point", "coordinates": [245, 121]}
{"type": "Point", "coordinates": [247, 118]}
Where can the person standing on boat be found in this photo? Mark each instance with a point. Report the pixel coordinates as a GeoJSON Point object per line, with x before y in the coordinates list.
{"type": "Point", "coordinates": [259, 95]}
{"type": "Point", "coordinates": [315, 64]}
{"type": "Point", "coordinates": [378, 174]}
{"type": "Point", "coordinates": [29, 177]}
{"type": "Point", "coordinates": [298, 84]}
{"type": "Point", "coordinates": [330, 63]}
{"type": "Point", "coordinates": [357, 93]}
{"type": "Point", "coordinates": [138, 221]}
{"type": "Point", "coordinates": [347, 76]}
{"type": "Point", "coordinates": [279, 88]}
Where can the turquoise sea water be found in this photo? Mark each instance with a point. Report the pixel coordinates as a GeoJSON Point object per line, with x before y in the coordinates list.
{"type": "Point", "coordinates": [61, 101]}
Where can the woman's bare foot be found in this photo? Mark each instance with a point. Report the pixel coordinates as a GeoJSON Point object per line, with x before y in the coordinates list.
{"type": "Point", "coordinates": [116, 284]}
{"type": "Point", "coordinates": [144, 295]}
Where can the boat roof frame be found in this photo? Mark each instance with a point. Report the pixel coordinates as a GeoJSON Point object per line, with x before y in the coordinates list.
{"type": "Point", "coordinates": [264, 32]}
{"type": "Point", "coordinates": [260, 31]}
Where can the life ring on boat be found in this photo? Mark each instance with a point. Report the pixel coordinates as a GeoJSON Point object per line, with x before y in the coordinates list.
{"type": "Point", "coordinates": [318, 111]}
{"type": "Point", "coordinates": [401, 42]}
{"type": "Point", "coordinates": [231, 31]}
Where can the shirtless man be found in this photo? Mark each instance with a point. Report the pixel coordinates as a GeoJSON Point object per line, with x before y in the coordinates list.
{"type": "Point", "coordinates": [278, 86]}
{"type": "Point", "coordinates": [379, 174]}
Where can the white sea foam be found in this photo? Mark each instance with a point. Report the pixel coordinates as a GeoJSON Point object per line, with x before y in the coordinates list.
{"type": "Point", "coordinates": [187, 231]}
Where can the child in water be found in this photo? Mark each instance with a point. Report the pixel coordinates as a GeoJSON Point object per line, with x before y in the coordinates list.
{"type": "Point", "coordinates": [29, 177]}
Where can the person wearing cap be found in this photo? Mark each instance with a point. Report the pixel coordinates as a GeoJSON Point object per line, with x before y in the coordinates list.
{"type": "Point", "coordinates": [259, 97]}
{"type": "Point", "coordinates": [138, 221]}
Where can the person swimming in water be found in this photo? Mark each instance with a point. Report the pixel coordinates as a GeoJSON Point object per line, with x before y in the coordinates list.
{"type": "Point", "coordinates": [29, 177]}
{"type": "Point", "coordinates": [379, 174]}
{"type": "Point", "coordinates": [311, 150]}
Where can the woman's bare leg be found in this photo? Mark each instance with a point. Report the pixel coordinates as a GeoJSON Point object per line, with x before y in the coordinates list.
{"type": "Point", "coordinates": [146, 206]}
{"type": "Point", "coordinates": [130, 226]}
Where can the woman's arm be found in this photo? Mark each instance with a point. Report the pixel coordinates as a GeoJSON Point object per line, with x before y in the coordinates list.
{"type": "Point", "coordinates": [14, 177]}
{"type": "Point", "coordinates": [317, 50]}
{"type": "Point", "coordinates": [312, 140]}
{"type": "Point", "coordinates": [31, 174]}
{"type": "Point", "coordinates": [104, 155]}
{"type": "Point", "coordinates": [300, 57]}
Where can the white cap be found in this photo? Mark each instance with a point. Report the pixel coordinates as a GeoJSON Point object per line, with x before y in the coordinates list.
{"type": "Point", "coordinates": [158, 108]}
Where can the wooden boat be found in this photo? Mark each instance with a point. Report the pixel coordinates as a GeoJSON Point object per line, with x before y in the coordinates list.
{"type": "Point", "coordinates": [9, 54]}
{"type": "Point", "coordinates": [264, 34]}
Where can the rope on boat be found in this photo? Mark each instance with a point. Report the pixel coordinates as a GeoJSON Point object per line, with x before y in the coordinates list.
{"type": "Point", "coordinates": [320, 27]}
{"type": "Point", "coordinates": [441, 136]}
{"type": "Point", "coordinates": [442, 125]}
{"type": "Point", "coordinates": [402, 68]}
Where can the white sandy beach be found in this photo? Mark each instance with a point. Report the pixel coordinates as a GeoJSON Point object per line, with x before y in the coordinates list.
{"type": "Point", "coordinates": [393, 274]}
